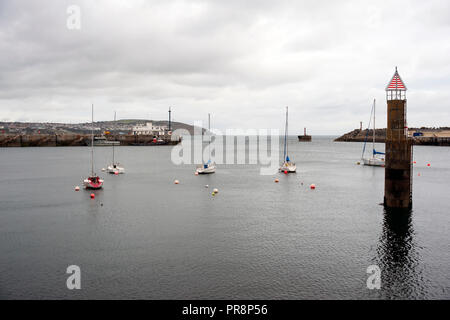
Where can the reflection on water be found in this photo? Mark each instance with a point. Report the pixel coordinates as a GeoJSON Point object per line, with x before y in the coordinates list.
{"type": "Point", "coordinates": [398, 257]}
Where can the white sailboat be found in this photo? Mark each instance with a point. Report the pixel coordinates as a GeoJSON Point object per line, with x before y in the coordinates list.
{"type": "Point", "coordinates": [287, 165]}
{"type": "Point", "coordinates": [374, 160]}
{"type": "Point", "coordinates": [115, 166]}
{"type": "Point", "coordinates": [208, 167]}
{"type": "Point", "coordinates": [93, 181]}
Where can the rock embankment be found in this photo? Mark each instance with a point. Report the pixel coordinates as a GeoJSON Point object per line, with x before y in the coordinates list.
{"type": "Point", "coordinates": [361, 135]}
{"type": "Point", "coordinates": [428, 137]}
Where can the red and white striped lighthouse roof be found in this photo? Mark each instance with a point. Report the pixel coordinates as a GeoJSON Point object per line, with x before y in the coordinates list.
{"type": "Point", "coordinates": [396, 83]}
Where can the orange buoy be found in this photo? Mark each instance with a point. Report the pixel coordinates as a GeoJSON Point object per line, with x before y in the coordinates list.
{"type": "Point", "coordinates": [312, 186]}
{"type": "Point", "coordinates": [92, 196]}
{"type": "Point", "coordinates": [276, 180]}
{"type": "Point", "coordinates": [77, 188]}
{"type": "Point", "coordinates": [176, 182]}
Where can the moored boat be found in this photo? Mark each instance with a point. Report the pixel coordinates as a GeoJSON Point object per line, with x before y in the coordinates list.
{"type": "Point", "coordinates": [115, 167]}
{"type": "Point", "coordinates": [209, 166]}
{"type": "Point", "coordinates": [93, 181]}
{"type": "Point", "coordinates": [287, 166]}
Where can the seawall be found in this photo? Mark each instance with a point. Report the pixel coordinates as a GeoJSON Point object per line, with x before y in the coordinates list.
{"type": "Point", "coordinates": [431, 138]}
{"type": "Point", "coordinates": [66, 140]}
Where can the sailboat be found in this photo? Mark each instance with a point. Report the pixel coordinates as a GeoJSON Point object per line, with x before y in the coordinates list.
{"type": "Point", "coordinates": [93, 181]}
{"type": "Point", "coordinates": [374, 160]}
{"type": "Point", "coordinates": [287, 165]}
{"type": "Point", "coordinates": [208, 166]}
{"type": "Point", "coordinates": [115, 166]}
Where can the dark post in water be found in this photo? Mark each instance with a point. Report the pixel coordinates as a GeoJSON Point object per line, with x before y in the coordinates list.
{"type": "Point", "coordinates": [397, 181]}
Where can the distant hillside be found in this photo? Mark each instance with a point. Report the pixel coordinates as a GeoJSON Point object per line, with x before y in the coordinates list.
{"type": "Point", "coordinates": [122, 126]}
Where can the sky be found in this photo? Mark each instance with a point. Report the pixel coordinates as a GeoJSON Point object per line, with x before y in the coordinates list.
{"type": "Point", "coordinates": [241, 61]}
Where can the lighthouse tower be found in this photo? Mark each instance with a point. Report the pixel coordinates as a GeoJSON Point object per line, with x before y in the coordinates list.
{"type": "Point", "coordinates": [398, 181]}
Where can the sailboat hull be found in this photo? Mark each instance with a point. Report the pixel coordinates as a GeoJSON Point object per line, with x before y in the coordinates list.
{"type": "Point", "coordinates": [374, 162]}
{"type": "Point", "coordinates": [111, 169]}
{"type": "Point", "coordinates": [289, 169]}
{"type": "Point", "coordinates": [93, 184]}
{"type": "Point", "coordinates": [208, 170]}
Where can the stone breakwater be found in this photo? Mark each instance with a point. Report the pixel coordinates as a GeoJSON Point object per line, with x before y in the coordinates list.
{"type": "Point", "coordinates": [360, 135]}
{"type": "Point", "coordinates": [68, 140]}
{"type": "Point", "coordinates": [431, 137]}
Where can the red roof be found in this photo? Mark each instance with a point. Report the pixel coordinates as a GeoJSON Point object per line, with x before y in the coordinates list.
{"type": "Point", "coordinates": [396, 83]}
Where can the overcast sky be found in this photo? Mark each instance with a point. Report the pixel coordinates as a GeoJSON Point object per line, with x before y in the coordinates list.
{"type": "Point", "coordinates": [242, 61]}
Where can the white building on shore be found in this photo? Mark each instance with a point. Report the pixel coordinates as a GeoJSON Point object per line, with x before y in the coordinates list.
{"type": "Point", "coordinates": [149, 129]}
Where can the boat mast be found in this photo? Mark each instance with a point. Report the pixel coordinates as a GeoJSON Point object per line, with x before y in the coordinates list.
{"type": "Point", "coordinates": [373, 144]}
{"type": "Point", "coordinates": [114, 128]}
{"type": "Point", "coordinates": [285, 136]}
{"type": "Point", "coordinates": [209, 136]}
{"type": "Point", "coordinates": [92, 141]}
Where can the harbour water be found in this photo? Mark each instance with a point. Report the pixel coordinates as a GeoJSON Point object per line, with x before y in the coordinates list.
{"type": "Point", "coordinates": [143, 237]}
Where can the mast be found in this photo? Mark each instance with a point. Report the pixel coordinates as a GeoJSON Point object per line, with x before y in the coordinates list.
{"type": "Point", "coordinates": [285, 136]}
{"type": "Point", "coordinates": [287, 131]}
{"type": "Point", "coordinates": [366, 137]}
{"type": "Point", "coordinates": [114, 128]}
{"type": "Point", "coordinates": [209, 136]}
{"type": "Point", "coordinates": [92, 141]}
{"type": "Point", "coordinates": [373, 144]}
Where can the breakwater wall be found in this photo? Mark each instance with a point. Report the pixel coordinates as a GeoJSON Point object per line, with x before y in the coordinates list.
{"type": "Point", "coordinates": [69, 140]}
{"type": "Point", "coordinates": [380, 137]}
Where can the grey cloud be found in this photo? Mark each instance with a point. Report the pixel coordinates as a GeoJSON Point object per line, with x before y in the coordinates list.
{"type": "Point", "coordinates": [241, 60]}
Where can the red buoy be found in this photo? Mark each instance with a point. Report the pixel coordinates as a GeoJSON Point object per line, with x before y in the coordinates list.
{"type": "Point", "coordinates": [116, 173]}
{"type": "Point", "coordinates": [428, 165]}
{"type": "Point", "coordinates": [285, 172]}
{"type": "Point", "coordinates": [92, 196]}
{"type": "Point", "coordinates": [313, 186]}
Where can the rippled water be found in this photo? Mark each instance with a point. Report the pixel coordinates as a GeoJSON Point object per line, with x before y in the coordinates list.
{"type": "Point", "coordinates": [144, 237]}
